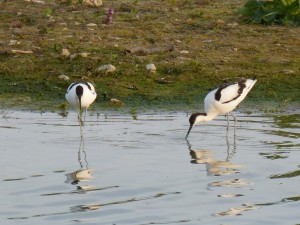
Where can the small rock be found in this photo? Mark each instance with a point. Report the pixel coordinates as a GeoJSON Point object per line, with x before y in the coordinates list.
{"type": "Point", "coordinates": [93, 3]}
{"type": "Point", "coordinates": [107, 68]}
{"type": "Point", "coordinates": [21, 51]}
{"type": "Point", "coordinates": [84, 54]}
{"type": "Point", "coordinates": [91, 25]}
{"type": "Point", "coordinates": [184, 52]}
{"type": "Point", "coordinates": [65, 52]}
{"type": "Point", "coordinates": [14, 42]}
{"type": "Point", "coordinates": [35, 1]}
{"type": "Point", "coordinates": [63, 77]}
{"type": "Point", "coordinates": [115, 102]}
{"type": "Point", "coordinates": [151, 67]}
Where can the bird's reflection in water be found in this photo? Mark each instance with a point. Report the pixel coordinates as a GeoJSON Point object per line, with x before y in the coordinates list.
{"type": "Point", "coordinates": [214, 167]}
{"type": "Point", "coordinates": [220, 168]}
{"type": "Point", "coordinates": [236, 211]}
{"type": "Point", "coordinates": [82, 174]}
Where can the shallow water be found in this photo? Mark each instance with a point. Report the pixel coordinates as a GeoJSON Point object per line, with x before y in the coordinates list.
{"type": "Point", "coordinates": [139, 170]}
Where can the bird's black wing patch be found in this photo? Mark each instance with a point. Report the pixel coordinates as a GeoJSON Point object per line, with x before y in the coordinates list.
{"type": "Point", "coordinates": [72, 85]}
{"type": "Point", "coordinates": [242, 85]}
{"type": "Point", "coordinates": [220, 88]}
{"type": "Point", "coordinates": [87, 84]}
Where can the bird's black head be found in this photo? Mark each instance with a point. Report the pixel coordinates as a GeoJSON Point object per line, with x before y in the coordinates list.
{"type": "Point", "coordinates": [79, 91]}
{"type": "Point", "coordinates": [192, 121]}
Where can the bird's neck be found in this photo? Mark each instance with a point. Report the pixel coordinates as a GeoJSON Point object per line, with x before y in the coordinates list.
{"type": "Point", "coordinates": [205, 117]}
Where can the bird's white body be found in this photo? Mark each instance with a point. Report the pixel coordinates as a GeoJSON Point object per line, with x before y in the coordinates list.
{"type": "Point", "coordinates": [88, 96]}
{"type": "Point", "coordinates": [222, 100]}
{"type": "Point", "coordinates": [229, 100]}
{"type": "Point", "coordinates": [81, 95]}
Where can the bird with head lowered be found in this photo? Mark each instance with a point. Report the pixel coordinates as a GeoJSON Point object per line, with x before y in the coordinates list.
{"type": "Point", "coordinates": [81, 95]}
{"type": "Point", "coordinates": [222, 100]}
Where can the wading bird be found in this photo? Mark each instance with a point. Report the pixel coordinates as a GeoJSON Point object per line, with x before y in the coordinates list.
{"type": "Point", "coordinates": [81, 95]}
{"type": "Point", "coordinates": [222, 100]}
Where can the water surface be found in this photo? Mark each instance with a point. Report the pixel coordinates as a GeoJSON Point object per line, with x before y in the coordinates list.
{"type": "Point", "coordinates": [138, 170]}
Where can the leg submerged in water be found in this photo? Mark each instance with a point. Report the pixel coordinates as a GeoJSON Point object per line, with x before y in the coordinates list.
{"type": "Point", "coordinates": [235, 121]}
{"type": "Point", "coordinates": [81, 123]}
{"type": "Point", "coordinates": [227, 128]}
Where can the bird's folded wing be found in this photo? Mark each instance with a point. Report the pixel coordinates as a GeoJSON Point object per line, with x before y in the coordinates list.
{"type": "Point", "coordinates": [228, 93]}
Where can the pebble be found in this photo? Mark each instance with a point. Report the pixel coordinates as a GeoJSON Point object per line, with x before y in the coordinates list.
{"type": "Point", "coordinates": [107, 68]}
{"type": "Point", "coordinates": [14, 42]}
{"type": "Point", "coordinates": [91, 25]}
{"type": "Point", "coordinates": [65, 52]}
{"type": "Point", "coordinates": [93, 3]}
{"type": "Point", "coordinates": [116, 102]}
{"type": "Point", "coordinates": [151, 67]}
{"type": "Point", "coordinates": [63, 77]}
{"type": "Point", "coordinates": [35, 1]}
{"type": "Point", "coordinates": [84, 54]}
{"type": "Point", "coordinates": [184, 52]}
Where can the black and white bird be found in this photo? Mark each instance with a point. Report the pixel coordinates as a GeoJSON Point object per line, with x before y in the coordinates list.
{"type": "Point", "coordinates": [81, 95]}
{"type": "Point", "coordinates": [222, 100]}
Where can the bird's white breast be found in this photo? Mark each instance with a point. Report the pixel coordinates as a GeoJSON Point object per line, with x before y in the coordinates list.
{"type": "Point", "coordinates": [88, 96]}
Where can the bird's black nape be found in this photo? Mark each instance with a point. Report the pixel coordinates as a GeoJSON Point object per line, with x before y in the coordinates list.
{"type": "Point", "coordinates": [79, 93]}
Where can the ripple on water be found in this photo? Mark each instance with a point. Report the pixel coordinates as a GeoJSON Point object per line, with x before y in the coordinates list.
{"type": "Point", "coordinates": [140, 170]}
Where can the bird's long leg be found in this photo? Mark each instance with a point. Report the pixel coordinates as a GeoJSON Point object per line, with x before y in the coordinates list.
{"type": "Point", "coordinates": [79, 116]}
{"type": "Point", "coordinates": [235, 121]}
{"type": "Point", "coordinates": [80, 121]}
{"type": "Point", "coordinates": [227, 143]}
{"type": "Point", "coordinates": [84, 116]}
{"type": "Point", "coordinates": [79, 152]}
{"type": "Point", "coordinates": [227, 129]}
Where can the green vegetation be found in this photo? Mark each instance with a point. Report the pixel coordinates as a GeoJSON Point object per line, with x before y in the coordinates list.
{"type": "Point", "coordinates": [211, 43]}
{"type": "Point", "coordinates": [277, 11]}
{"type": "Point", "coordinates": [287, 175]}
